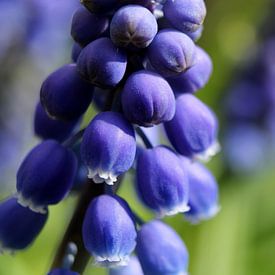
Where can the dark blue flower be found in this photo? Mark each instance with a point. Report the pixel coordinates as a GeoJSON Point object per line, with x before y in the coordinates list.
{"type": "Point", "coordinates": [147, 99]}
{"type": "Point", "coordinates": [109, 232]}
{"type": "Point", "coordinates": [108, 147]}
{"type": "Point", "coordinates": [46, 175]}
{"type": "Point", "coordinates": [133, 26]}
{"type": "Point", "coordinates": [104, 67]}
{"type": "Point", "coordinates": [185, 15]}
{"type": "Point", "coordinates": [48, 128]}
{"type": "Point", "coordinates": [196, 77]}
{"type": "Point", "coordinates": [193, 129]}
{"type": "Point", "coordinates": [64, 95]}
{"type": "Point", "coordinates": [160, 250]}
{"type": "Point", "coordinates": [87, 26]}
{"type": "Point", "coordinates": [162, 181]}
{"type": "Point", "coordinates": [19, 226]}
{"type": "Point", "coordinates": [171, 52]}
{"type": "Point", "coordinates": [203, 192]}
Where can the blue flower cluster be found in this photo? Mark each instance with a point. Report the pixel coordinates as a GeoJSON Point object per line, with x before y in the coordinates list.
{"type": "Point", "coordinates": [139, 62]}
{"type": "Point", "coordinates": [249, 138]}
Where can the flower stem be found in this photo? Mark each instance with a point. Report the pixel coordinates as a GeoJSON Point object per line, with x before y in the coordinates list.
{"type": "Point", "coordinates": [72, 140]}
{"type": "Point", "coordinates": [74, 230]}
{"type": "Point", "coordinates": [144, 138]}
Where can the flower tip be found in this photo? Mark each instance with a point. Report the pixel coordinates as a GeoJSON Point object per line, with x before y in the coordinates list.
{"type": "Point", "coordinates": [111, 261]}
{"type": "Point", "coordinates": [211, 213]}
{"type": "Point", "coordinates": [173, 211]}
{"type": "Point", "coordinates": [30, 204]}
{"type": "Point", "coordinates": [102, 176]}
{"type": "Point", "coordinates": [210, 152]}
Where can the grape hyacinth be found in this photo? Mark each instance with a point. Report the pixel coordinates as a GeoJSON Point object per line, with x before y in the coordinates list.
{"type": "Point", "coordinates": [134, 67]}
{"type": "Point", "coordinates": [249, 106]}
{"type": "Point", "coordinates": [15, 237]}
{"type": "Point", "coordinates": [160, 250]}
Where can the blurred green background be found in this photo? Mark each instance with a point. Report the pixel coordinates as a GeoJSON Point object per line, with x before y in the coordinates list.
{"type": "Point", "coordinates": [241, 239]}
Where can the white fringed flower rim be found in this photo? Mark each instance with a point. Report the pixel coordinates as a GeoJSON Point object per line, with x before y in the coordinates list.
{"type": "Point", "coordinates": [208, 153]}
{"type": "Point", "coordinates": [4, 249]}
{"type": "Point", "coordinates": [29, 203]}
{"type": "Point", "coordinates": [99, 176]}
{"type": "Point", "coordinates": [175, 210]}
{"type": "Point", "coordinates": [212, 212]}
{"type": "Point", "coordinates": [111, 261]}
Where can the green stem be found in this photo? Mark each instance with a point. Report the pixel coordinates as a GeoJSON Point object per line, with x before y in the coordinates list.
{"type": "Point", "coordinates": [74, 230]}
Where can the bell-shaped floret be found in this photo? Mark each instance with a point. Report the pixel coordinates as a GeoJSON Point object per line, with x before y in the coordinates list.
{"type": "Point", "coordinates": [47, 128]}
{"type": "Point", "coordinates": [147, 99]}
{"type": "Point", "coordinates": [108, 147]}
{"type": "Point", "coordinates": [193, 129]}
{"type": "Point", "coordinates": [102, 63]}
{"type": "Point", "coordinates": [203, 192]}
{"type": "Point", "coordinates": [185, 15]}
{"type": "Point", "coordinates": [196, 77]}
{"type": "Point", "coordinates": [19, 226]}
{"type": "Point", "coordinates": [133, 26]}
{"type": "Point", "coordinates": [109, 232]}
{"type": "Point", "coordinates": [87, 26]}
{"type": "Point", "coordinates": [171, 52]}
{"type": "Point", "coordinates": [64, 95]}
{"type": "Point", "coordinates": [45, 176]}
{"type": "Point", "coordinates": [160, 250]}
{"type": "Point", "coordinates": [162, 181]}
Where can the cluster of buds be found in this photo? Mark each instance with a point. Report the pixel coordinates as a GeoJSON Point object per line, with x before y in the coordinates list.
{"type": "Point", "coordinates": [249, 139]}
{"type": "Point", "coordinates": [138, 57]}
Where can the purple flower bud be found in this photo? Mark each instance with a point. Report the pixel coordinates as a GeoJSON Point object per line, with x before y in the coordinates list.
{"type": "Point", "coordinates": [19, 226]}
{"type": "Point", "coordinates": [203, 192]}
{"type": "Point", "coordinates": [62, 271]}
{"type": "Point", "coordinates": [147, 99]}
{"type": "Point", "coordinates": [87, 26]}
{"type": "Point", "coordinates": [193, 129]}
{"type": "Point", "coordinates": [45, 176]}
{"type": "Point", "coordinates": [48, 128]}
{"type": "Point", "coordinates": [133, 26]}
{"type": "Point", "coordinates": [104, 67]}
{"type": "Point", "coordinates": [108, 147]}
{"type": "Point", "coordinates": [76, 50]}
{"type": "Point", "coordinates": [171, 52]}
{"type": "Point", "coordinates": [196, 77]}
{"type": "Point", "coordinates": [161, 181]}
{"type": "Point", "coordinates": [160, 250]}
{"type": "Point", "coordinates": [64, 95]}
{"type": "Point", "coordinates": [133, 268]}
{"type": "Point", "coordinates": [108, 231]}
{"type": "Point", "coordinates": [185, 15]}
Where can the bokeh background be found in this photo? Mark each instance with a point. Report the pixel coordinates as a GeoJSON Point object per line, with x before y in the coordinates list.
{"type": "Point", "coordinates": [35, 40]}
